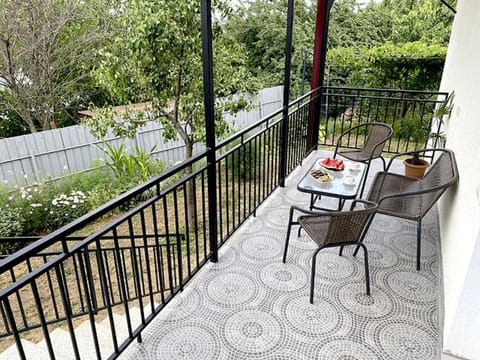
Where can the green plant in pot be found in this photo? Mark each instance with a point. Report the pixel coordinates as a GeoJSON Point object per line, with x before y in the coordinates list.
{"type": "Point", "coordinates": [414, 131]}
{"type": "Point", "coordinates": [419, 133]}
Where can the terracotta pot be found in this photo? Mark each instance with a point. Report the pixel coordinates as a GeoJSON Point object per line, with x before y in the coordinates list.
{"type": "Point", "coordinates": [415, 170]}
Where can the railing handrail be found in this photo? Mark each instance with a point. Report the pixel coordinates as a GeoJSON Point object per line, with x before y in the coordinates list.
{"type": "Point", "coordinates": [389, 98]}
{"type": "Point", "coordinates": [430, 92]}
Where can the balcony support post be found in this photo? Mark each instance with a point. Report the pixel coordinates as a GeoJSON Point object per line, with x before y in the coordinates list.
{"type": "Point", "coordinates": [318, 71]}
{"type": "Point", "coordinates": [209, 104]}
{"type": "Point", "coordinates": [286, 95]}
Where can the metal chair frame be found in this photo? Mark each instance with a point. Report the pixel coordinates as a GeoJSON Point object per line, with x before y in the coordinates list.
{"type": "Point", "coordinates": [368, 212]}
{"type": "Point", "coordinates": [387, 200]}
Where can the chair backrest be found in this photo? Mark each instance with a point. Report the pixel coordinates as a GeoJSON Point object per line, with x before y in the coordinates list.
{"type": "Point", "coordinates": [441, 175]}
{"type": "Point", "coordinates": [349, 226]}
{"type": "Point", "coordinates": [379, 134]}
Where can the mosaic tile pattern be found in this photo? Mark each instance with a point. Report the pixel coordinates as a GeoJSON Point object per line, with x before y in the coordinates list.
{"type": "Point", "coordinates": [250, 305]}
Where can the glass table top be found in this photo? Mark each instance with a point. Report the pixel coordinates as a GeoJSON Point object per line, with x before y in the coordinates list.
{"type": "Point", "coordinates": [345, 183]}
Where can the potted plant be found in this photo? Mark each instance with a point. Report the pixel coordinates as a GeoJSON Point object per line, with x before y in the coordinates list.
{"type": "Point", "coordinates": [415, 166]}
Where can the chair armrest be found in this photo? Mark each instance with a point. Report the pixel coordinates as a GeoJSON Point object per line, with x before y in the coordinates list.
{"type": "Point", "coordinates": [369, 205]}
{"type": "Point", "coordinates": [411, 153]}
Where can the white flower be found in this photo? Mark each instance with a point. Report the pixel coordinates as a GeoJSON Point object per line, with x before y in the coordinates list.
{"type": "Point", "coordinates": [36, 205]}
{"type": "Point", "coordinates": [11, 197]}
{"type": "Point", "coordinates": [55, 202]}
{"type": "Point", "coordinates": [74, 206]}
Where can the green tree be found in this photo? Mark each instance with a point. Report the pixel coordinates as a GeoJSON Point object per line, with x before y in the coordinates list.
{"type": "Point", "coordinates": [156, 57]}
{"type": "Point", "coordinates": [396, 44]}
{"type": "Point", "coordinates": [261, 27]}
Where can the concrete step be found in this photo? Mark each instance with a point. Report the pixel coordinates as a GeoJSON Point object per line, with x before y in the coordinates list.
{"type": "Point", "coordinates": [62, 342]}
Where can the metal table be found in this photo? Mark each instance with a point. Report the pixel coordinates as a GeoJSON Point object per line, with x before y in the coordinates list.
{"type": "Point", "coordinates": [336, 188]}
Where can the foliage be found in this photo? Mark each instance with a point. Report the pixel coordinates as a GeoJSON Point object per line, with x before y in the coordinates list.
{"type": "Point", "coordinates": [156, 57]}
{"type": "Point", "coordinates": [11, 224]}
{"type": "Point", "coordinates": [46, 49]}
{"type": "Point", "coordinates": [47, 206]}
{"type": "Point", "coordinates": [261, 27]}
{"type": "Point", "coordinates": [389, 44]}
{"type": "Point", "coordinates": [138, 166]}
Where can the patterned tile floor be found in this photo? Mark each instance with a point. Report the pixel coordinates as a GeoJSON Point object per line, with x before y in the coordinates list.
{"type": "Point", "coordinates": [250, 305]}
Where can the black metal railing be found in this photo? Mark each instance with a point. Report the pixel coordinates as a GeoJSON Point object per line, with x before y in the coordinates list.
{"type": "Point", "coordinates": [112, 260]}
{"type": "Point", "coordinates": [410, 113]}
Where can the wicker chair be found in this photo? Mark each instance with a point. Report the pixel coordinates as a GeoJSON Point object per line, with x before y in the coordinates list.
{"type": "Point", "coordinates": [411, 198]}
{"type": "Point", "coordinates": [334, 228]}
{"type": "Point", "coordinates": [378, 135]}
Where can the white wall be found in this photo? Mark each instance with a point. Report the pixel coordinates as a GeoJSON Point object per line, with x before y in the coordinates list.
{"type": "Point", "coordinates": [460, 207]}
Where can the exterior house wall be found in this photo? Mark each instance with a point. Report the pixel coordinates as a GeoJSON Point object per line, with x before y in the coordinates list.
{"type": "Point", "coordinates": [460, 207]}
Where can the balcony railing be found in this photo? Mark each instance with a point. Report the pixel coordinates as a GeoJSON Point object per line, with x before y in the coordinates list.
{"type": "Point", "coordinates": [143, 256]}
{"type": "Point", "coordinates": [410, 113]}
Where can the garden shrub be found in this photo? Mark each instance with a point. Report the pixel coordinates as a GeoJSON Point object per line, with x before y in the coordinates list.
{"type": "Point", "coordinates": [65, 208]}
{"type": "Point", "coordinates": [11, 224]}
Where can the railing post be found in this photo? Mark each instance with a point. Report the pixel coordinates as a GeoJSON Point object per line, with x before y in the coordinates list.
{"type": "Point", "coordinates": [208, 96]}
{"type": "Point", "coordinates": [286, 95]}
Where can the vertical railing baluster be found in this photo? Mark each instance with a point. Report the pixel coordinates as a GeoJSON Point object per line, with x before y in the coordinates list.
{"type": "Point", "coordinates": [13, 326]}
{"type": "Point", "coordinates": [91, 316]}
{"type": "Point", "coordinates": [62, 285]}
{"type": "Point", "coordinates": [136, 270]}
{"type": "Point", "coordinates": [104, 286]}
{"type": "Point", "coordinates": [43, 321]}
{"type": "Point", "coordinates": [147, 259]}
{"type": "Point", "coordinates": [167, 240]}
{"type": "Point", "coordinates": [158, 254]}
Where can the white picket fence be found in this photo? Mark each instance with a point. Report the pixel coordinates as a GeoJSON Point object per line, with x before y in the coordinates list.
{"type": "Point", "coordinates": [56, 153]}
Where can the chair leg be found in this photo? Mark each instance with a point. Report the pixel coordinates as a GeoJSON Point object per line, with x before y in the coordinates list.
{"type": "Point", "coordinates": [299, 231]}
{"type": "Point", "coordinates": [312, 280]}
{"type": "Point", "coordinates": [287, 239]}
{"type": "Point", "coordinates": [367, 270]}
{"type": "Point", "coordinates": [419, 242]}
{"type": "Point", "coordinates": [363, 235]}
{"type": "Point", "coordinates": [365, 179]}
{"type": "Point", "coordinates": [384, 163]}
{"type": "Point", "coordinates": [340, 253]}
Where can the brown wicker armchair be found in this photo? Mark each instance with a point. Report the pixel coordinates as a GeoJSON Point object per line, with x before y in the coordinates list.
{"type": "Point", "coordinates": [411, 198]}
{"type": "Point", "coordinates": [378, 135]}
{"type": "Point", "coordinates": [334, 228]}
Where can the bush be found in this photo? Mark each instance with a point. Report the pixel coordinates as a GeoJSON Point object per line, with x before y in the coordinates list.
{"type": "Point", "coordinates": [48, 206]}
{"type": "Point", "coordinates": [65, 208]}
{"type": "Point", "coordinates": [11, 224]}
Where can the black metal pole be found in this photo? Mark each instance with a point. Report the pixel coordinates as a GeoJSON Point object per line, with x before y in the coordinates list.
{"type": "Point", "coordinates": [286, 94]}
{"type": "Point", "coordinates": [209, 103]}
